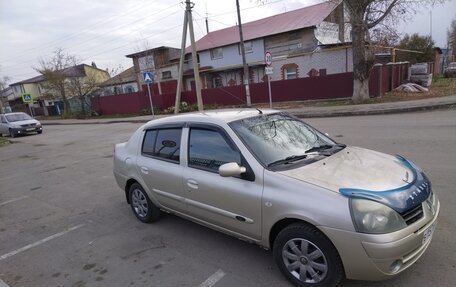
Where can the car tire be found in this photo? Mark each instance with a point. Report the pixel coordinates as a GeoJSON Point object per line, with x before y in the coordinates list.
{"type": "Point", "coordinates": [141, 204]}
{"type": "Point", "coordinates": [39, 132]}
{"type": "Point", "coordinates": [307, 257]}
{"type": "Point", "coordinates": [11, 133]}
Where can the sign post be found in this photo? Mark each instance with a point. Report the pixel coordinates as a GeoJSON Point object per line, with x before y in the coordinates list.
{"type": "Point", "coordinates": [27, 99]}
{"type": "Point", "coordinates": [268, 71]}
{"type": "Point", "coordinates": [147, 76]}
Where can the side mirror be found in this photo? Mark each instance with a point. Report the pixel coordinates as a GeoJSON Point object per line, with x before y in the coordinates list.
{"type": "Point", "coordinates": [231, 169]}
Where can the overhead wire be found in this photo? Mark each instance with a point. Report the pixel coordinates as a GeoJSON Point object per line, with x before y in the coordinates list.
{"type": "Point", "coordinates": [148, 37]}
{"type": "Point", "coordinates": [113, 29]}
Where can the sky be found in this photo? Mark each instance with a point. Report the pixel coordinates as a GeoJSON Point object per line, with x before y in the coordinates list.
{"type": "Point", "coordinates": [104, 32]}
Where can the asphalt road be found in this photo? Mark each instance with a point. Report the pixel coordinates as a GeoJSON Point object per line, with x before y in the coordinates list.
{"type": "Point", "coordinates": [64, 221]}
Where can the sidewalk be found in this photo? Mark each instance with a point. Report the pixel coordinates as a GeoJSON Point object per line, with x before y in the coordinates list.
{"type": "Point", "coordinates": [305, 112]}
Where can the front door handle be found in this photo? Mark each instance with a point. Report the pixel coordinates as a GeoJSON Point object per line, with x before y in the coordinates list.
{"type": "Point", "coordinates": [144, 170]}
{"type": "Point", "coordinates": [193, 184]}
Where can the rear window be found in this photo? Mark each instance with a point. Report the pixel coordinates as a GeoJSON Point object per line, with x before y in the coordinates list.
{"type": "Point", "coordinates": [163, 144]}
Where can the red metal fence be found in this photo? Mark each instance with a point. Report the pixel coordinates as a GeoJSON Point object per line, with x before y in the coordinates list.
{"type": "Point", "coordinates": [383, 78]}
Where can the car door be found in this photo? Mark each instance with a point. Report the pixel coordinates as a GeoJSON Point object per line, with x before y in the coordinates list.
{"type": "Point", "coordinates": [159, 165]}
{"type": "Point", "coordinates": [3, 125]}
{"type": "Point", "coordinates": [233, 203]}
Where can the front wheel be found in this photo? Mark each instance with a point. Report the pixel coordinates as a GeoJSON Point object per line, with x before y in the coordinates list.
{"type": "Point", "coordinates": [12, 133]}
{"type": "Point", "coordinates": [307, 257]}
{"type": "Point", "coordinates": [141, 204]}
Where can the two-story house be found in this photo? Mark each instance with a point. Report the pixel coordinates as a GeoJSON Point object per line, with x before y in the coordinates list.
{"type": "Point", "coordinates": [78, 79]}
{"type": "Point", "coordinates": [162, 62]}
{"type": "Point", "coordinates": [293, 38]}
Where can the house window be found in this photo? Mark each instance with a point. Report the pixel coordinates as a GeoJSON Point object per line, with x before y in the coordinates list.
{"type": "Point", "coordinates": [166, 75]}
{"type": "Point", "coordinates": [117, 90]}
{"type": "Point", "coordinates": [217, 81]}
{"type": "Point", "coordinates": [129, 89]}
{"type": "Point", "coordinates": [216, 53]}
{"type": "Point", "coordinates": [289, 71]}
{"type": "Point", "coordinates": [248, 46]}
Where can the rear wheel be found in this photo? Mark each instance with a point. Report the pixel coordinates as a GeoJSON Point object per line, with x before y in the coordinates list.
{"type": "Point", "coordinates": [307, 257]}
{"type": "Point", "coordinates": [141, 204]}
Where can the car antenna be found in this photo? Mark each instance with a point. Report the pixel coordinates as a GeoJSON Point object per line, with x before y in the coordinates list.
{"type": "Point", "coordinates": [259, 111]}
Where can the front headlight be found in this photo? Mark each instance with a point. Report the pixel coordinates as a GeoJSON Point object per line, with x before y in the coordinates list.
{"type": "Point", "coordinates": [374, 218]}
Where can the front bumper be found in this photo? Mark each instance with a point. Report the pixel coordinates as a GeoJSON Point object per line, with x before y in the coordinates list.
{"type": "Point", "coordinates": [373, 257]}
{"type": "Point", "coordinates": [27, 130]}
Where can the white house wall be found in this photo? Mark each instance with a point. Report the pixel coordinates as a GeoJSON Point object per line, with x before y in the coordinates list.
{"type": "Point", "coordinates": [231, 55]}
{"type": "Point", "coordinates": [334, 61]}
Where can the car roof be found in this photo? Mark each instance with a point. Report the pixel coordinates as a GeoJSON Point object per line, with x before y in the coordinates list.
{"type": "Point", "coordinates": [212, 116]}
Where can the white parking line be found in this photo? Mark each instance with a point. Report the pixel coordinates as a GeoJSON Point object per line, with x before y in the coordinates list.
{"type": "Point", "coordinates": [3, 284]}
{"type": "Point", "coordinates": [213, 279]}
{"type": "Point", "coordinates": [12, 253]}
{"type": "Point", "coordinates": [10, 201]}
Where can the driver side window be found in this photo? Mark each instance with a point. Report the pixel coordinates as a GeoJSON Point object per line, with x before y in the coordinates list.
{"type": "Point", "coordinates": [208, 150]}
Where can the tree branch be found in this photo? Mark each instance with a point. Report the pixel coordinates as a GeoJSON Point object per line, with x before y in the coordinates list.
{"type": "Point", "coordinates": [386, 13]}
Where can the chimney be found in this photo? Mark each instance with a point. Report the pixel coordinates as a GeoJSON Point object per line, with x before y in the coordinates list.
{"type": "Point", "coordinates": [94, 65]}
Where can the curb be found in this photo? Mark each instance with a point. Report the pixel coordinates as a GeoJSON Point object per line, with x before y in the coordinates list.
{"type": "Point", "coordinates": [322, 114]}
{"type": "Point", "coordinates": [374, 112]}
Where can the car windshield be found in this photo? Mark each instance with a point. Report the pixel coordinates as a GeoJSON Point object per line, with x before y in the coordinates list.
{"type": "Point", "coordinates": [18, 117]}
{"type": "Point", "coordinates": [280, 138]}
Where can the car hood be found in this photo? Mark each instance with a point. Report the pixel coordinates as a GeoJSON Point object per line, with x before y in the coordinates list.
{"type": "Point", "coordinates": [25, 122]}
{"type": "Point", "coordinates": [361, 173]}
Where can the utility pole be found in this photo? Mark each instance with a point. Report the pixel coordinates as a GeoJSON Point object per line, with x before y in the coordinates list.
{"type": "Point", "coordinates": [244, 63]}
{"type": "Point", "coordinates": [188, 21]}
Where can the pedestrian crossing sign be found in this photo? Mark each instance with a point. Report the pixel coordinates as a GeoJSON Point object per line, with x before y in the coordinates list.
{"type": "Point", "coordinates": [27, 97]}
{"type": "Point", "coordinates": [147, 76]}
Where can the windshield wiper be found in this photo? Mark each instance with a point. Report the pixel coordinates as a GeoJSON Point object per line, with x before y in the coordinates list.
{"type": "Point", "coordinates": [288, 160]}
{"type": "Point", "coordinates": [324, 147]}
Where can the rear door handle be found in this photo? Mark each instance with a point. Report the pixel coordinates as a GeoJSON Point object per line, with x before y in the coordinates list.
{"type": "Point", "coordinates": [144, 170]}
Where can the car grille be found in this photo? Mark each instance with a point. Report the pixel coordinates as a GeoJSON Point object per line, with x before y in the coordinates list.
{"type": "Point", "coordinates": [413, 214]}
{"type": "Point", "coordinates": [28, 125]}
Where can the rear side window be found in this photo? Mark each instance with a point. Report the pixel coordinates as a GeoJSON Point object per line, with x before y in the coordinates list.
{"type": "Point", "coordinates": [163, 143]}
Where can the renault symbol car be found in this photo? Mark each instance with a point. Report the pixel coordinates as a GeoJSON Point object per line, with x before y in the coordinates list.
{"type": "Point", "coordinates": [326, 210]}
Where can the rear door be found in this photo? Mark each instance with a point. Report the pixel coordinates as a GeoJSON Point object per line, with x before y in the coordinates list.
{"type": "Point", "coordinates": [160, 165]}
{"type": "Point", "coordinates": [233, 203]}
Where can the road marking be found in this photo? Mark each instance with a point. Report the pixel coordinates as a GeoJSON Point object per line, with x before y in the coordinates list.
{"type": "Point", "coordinates": [213, 279]}
{"type": "Point", "coordinates": [12, 253]}
{"type": "Point", "coordinates": [3, 284]}
{"type": "Point", "coordinates": [12, 200]}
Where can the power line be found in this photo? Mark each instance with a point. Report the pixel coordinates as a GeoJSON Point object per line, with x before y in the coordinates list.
{"type": "Point", "coordinates": [113, 29]}
{"type": "Point", "coordinates": [87, 28]}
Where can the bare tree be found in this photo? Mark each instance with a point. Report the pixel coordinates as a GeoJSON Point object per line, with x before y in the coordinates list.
{"type": "Point", "coordinates": [4, 81]}
{"type": "Point", "coordinates": [363, 16]}
{"type": "Point", "coordinates": [451, 36]}
{"type": "Point", "coordinates": [55, 82]}
{"type": "Point", "coordinates": [81, 86]}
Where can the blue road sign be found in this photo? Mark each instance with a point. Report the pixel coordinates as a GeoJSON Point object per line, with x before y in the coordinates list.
{"type": "Point", "coordinates": [147, 76]}
{"type": "Point", "coordinates": [27, 97]}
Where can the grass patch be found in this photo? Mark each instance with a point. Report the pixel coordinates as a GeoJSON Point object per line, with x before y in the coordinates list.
{"type": "Point", "coordinates": [4, 141]}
